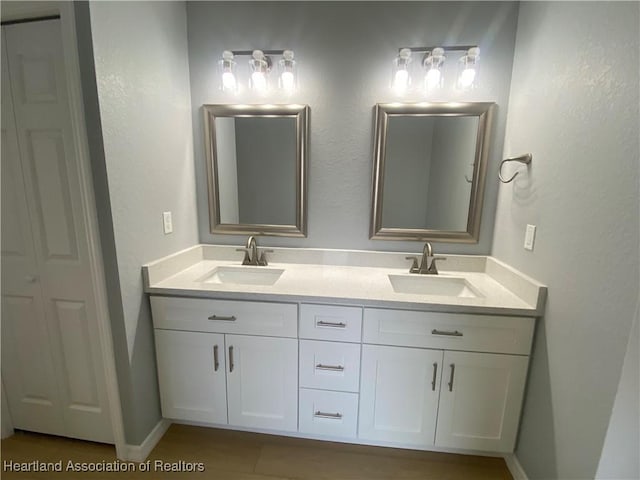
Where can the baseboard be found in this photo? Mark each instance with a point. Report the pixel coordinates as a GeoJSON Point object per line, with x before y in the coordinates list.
{"type": "Point", "coordinates": [139, 453]}
{"type": "Point", "coordinates": [517, 472]}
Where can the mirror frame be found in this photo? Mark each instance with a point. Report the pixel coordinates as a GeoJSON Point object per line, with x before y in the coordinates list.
{"type": "Point", "coordinates": [300, 113]}
{"type": "Point", "coordinates": [383, 111]}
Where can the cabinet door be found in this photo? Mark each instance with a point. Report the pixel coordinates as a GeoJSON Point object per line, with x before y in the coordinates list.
{"type": "Point", "coordinates": [262, 382]}
{"type": "Point", "coordinates": [191, 373]}
{"type": "Point", "coordinates": [399, 390]}
{"type": "Point", "coordinates": [480, 400]}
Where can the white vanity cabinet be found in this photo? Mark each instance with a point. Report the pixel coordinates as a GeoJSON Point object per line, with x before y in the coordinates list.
{"type": "Point", "coordinates": [391, 377]}
{"type": "Point", "coordinates": [218, 356]}
{"type": "Point", "coordinates": [423, 391]}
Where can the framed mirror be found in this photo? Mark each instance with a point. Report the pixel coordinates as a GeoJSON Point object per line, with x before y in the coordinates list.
{"type": "Point", "coordinates": [256, 168]}
{"type": "Point", "coordinates": [430, 162]}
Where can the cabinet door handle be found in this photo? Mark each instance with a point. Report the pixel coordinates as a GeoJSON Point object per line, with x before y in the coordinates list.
{"type": "Point", "coordinates": [231, 359]}
{"type": "Point", "coordinates": [453, 371]}
{"type": "Point", "coordinates": [332, 416]}
{"type": "Point", "coordinates": [333, 368]}
{"type": "Point", "coordinates": [216, 363]}
{"type": "Point", "coordinates": [435, 374]}
{"type": "Point", "coordinates": [322, 323]}
{"type": "Point", "coordinates": [224, 318]}
{"type": "Point", "coordinates": [448, 333]}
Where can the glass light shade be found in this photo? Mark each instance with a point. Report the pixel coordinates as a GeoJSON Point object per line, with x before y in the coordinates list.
{"type": "Point", "coordinates": [259, 81]}
{"type": "Point", "coordinates": [468, 68]}
{"type": "Point", "coordinates": [467, 77]}
{"type": "Point", "coordinates": [260, 67]}
{"type": "Point", "coordinates": [432, 63]}
{"type": "Point", "coordinates": [288, 72]}
{"type": "Point", "coordinates": [228, 81]}
{"type": "Point", "coordinates": [227, 67]}
{"type": "Point", "coordinates": [401, 80]}
{"type": "Point", "coordinates": [432, 78]}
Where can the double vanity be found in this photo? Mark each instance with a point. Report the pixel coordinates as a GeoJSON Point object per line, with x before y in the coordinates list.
{"type": "Point", "coordinates": [344, 345]}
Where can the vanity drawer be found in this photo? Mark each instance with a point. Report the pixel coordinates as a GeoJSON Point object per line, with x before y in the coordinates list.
{"type": "Point", "coordinates": [329, 365]}
{"type": "Point", "coordinates": [448, 331]}
{"type": "Point", "coordinates": [328, 413]}
{"type": "Point", "coordinates": [225, 316]}
{"type": "Point", "coordinates": [326, 322]}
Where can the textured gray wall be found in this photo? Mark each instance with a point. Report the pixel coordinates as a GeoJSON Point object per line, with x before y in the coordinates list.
{"type": "Point", "coordinates": [574, 105]}
{"type": "Point", "coordinates": [140, 51]}
{"type": "Point", "coordinates": [620, 457]}
{"type": "Point", "coordinates": [345, 51]}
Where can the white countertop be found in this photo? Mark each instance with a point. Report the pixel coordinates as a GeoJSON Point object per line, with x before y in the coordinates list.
{"type": "Point", "coordinates": [347, 277]}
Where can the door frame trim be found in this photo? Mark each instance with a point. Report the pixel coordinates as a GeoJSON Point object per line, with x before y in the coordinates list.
{"type": "Point", "coordinates": [26, 10]}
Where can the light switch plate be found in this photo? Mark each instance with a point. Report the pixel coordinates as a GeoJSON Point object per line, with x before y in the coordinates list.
{"type": "Point", "coordinates": [529, 237]}
{"type": "Point", "coordinates": [167, 222]}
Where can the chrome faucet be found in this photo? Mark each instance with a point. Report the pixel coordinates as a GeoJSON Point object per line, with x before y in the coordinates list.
{"type": "Point", "coordinates": [251, 253]}
{"type": "Point", "coordinates": [427, 262]}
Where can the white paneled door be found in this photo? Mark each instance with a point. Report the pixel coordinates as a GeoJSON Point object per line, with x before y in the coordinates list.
{"type": "Point", "coordinates": [51, 356]}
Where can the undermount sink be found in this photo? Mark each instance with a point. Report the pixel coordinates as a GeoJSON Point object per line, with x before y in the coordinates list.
{"type": "Point", "coordinates": [242, 275]}
{"type": "Point", "coordinates": [433, 285]}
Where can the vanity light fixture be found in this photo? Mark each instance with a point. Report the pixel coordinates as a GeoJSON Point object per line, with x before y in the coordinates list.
{"type": "Point", "coordinates": [432, 62]}
{"type": "Point", "coordinates": [260, 67]}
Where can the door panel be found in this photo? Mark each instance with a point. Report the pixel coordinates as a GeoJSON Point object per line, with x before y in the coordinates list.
{"type": "Point", "coordinates": [45, 155]}
{"type": "Point", "coordinates": [262, 382]}
{"type": "Point", "coordinates": [27, 367]}
{"type": "Point", "coordinates": [192, 385]}
{"type": "Point", "coordinates": [399, 390]}
{"type": "Point", "coordinates": [481, 408]}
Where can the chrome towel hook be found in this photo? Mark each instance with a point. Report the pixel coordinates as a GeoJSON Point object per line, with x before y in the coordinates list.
{"type": "Point", "coordinates": [526, 159]}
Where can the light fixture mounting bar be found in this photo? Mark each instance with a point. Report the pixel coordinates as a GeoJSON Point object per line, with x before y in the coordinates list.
{"type": "Point", "coordinates": [250, 52]}
{"type": "Point", "coordinates": [446, 48]}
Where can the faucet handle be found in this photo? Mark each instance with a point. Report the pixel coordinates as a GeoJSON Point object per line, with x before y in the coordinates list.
{"type": "Point", "coordinates": [263, 258]}
{"type": "Point", "coordinates": [433, 268]}
{"type": "Point", "coordinates": [414, 267]}
{"type": "Point", "coordinates": [246, 260]}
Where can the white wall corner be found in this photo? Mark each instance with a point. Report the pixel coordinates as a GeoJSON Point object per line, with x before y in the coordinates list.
{"type": "Point", "coordinates": [139, 453]}
{"type": "Point", "coordinates": [516, 470]}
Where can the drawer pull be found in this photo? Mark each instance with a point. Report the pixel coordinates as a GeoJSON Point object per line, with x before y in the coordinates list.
{"type": "Point", "coordinates": [322, 323]}
{"type": "Point", "coordinates": [455, 333]}
{"type": "Point", "coordinates": [224, 318]}
{"type": "Point", "coordinates": [231, 359]}
{"type": "Point", "coordinates": [216, 363]}
{"type": "Point", "coordinates": [332, 416]}
{"type": "Point", "coordinates": [333, 368]}
{"type": "Point", "coordinates": [453, 371]}
{"type": "Point", "coordinates": [435, 374]}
